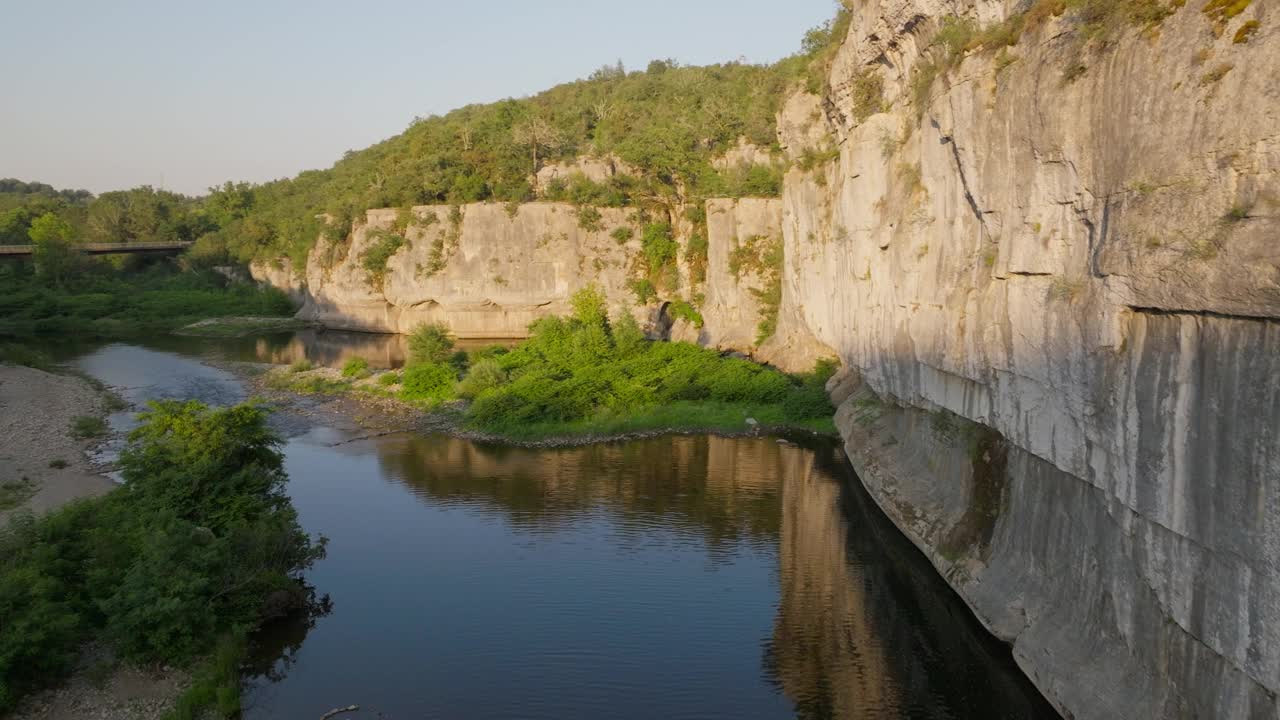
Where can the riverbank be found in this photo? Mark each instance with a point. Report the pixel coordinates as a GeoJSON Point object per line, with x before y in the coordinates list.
{"type": "Point", "coordinates": [48, 422]}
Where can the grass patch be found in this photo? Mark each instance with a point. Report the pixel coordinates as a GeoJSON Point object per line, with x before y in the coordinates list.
{"type": "Point", "coordinates": [84, 427]}
{"type": "Point", "coordinates": [12, 494]}
{"type": "Point", "coordinates": [101, 302]}
{"type": "Point", "coordinates": [355, 368]}
{"type": "Point", "coordinates": [215, 688]}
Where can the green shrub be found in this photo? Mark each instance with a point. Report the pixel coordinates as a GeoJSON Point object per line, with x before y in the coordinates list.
{"type": "Point", "coordinates": [682, 310]}
{"type": "Point", "coordinates": [644, 290]}
{"type": "Point", "coordinates": [587, 372]}
{"type": "Point", "coordinates": [427, 382]}
{"type": "Point", "coordinates": [187, 550]}
{"type": "Point", "coordinates": [389, 378]}
{"type": "Point", "coordinates": [87, 426]}
{"type": "Point", "coordinates": [484, 375]}
{"type": "Point", "coordinates": [810, 399]}
{"type": "Point", "coordinates": [356, 367]}
{"type": "Point", "coordinates": [374, 260]}
{"type": "Point", "coordinates": [431, 343]}
{"type": "Point", "coordinates": [622, 234]}
{"type": "Point", "coordinates": [301, 366]}
{"type": "Point", "coordinates": [590, 219]}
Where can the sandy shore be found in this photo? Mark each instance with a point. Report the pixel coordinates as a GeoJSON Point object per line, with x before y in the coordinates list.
{"type": "Point", "coordinates": [36, 412]}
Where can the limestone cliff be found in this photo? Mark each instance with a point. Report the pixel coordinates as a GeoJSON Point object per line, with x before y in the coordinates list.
{"type": "Point", "coordinates": [1051, 270]}
{"type": "Point", "coordinates": [1054, 281]}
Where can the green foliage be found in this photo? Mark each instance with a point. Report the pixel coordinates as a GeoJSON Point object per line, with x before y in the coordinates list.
{"type": "Point", "coordinates": [16, 354]}
{"type": "Point", "coordinates": [15, 492]}
{"type": "Point", "coordinates": [430, 343]}
{"type": "Point", "coordinates": [762, 256]}
{"type": "Point", "coordinates": [589, 219]}
{"type": "Point", "coordinates": [695, 256]}
{"type": "Point", "coordinates": [622, 234]}
{"type": "Point", "coordinates": [99, 302]}
{"type": "Point", "coordinates": [682, 310]}
{"type": "Point", "coordinates": [301, 366]}
{"type": "Point", "coordinates": [53, 251]}
{"type": "Point", "coordinates": [374, 261]}
{"type": "Point", "coordinates": [430, 382]}
{"type": "Point", "coordinates": [356, 367]}
{"type": "Point", "coordinates": [576, 373]}
{"type": "Point", "coordinates": [189, 549]}
{"type": "Point", "coordinates": [590, 306]}
{"type": "Point", "coordinates": [644, 290]}
{"type": "Point", "coordinates": [88, 426]}
{"type": "Point", "coordinates": [658, 252]}
{"type": "Point", "coordinates": [216, 685]}
{"type": "Point", "coordinates": [389, 378]}
{"type": "Point", "coordinates": [810, 400]}
{"type": "Point", "coordinates": [484, 375]}
{"type": "Point", "coordinates": [867, 94]}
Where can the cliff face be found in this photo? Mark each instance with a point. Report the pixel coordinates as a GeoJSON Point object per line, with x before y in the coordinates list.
{"type": "Point", "coordinates": [1056, 298]}
{"type": "Point", "coordinates": [1053, 278]}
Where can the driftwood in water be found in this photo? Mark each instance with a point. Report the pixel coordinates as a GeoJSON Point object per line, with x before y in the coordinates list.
{"type": "Point", "coordinates": [338, 711]}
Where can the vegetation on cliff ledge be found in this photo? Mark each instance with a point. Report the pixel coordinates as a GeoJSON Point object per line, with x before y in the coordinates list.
{"type": "Point", "coordinates": [197, 548]}
{"type": "Point", "coordinates": [589, 375]}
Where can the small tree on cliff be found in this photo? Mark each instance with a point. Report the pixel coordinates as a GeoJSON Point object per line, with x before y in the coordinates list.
{"type": "Point", "coordinates": [537, 134]}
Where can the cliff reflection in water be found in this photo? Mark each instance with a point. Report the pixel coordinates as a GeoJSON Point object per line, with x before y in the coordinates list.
{"type": "Point", "coordinates": [864, 628]}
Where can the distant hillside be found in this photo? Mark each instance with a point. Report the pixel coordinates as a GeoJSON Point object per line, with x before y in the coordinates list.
{"type": "Point", "coordinates": [666, 123]}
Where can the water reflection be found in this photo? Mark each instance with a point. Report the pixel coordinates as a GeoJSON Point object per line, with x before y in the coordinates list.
{"type": "Point", "coordinates": [325, 348]}
{"type": "Point", "coordinates": [674, 577]}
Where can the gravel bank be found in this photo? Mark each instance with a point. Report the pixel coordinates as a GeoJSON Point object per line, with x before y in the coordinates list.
{"type": "Point", "coordinates": [37, 410]}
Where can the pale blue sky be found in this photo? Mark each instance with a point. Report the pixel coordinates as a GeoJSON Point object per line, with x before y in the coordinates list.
{"type": "Point", "coordinates": [106, 95]}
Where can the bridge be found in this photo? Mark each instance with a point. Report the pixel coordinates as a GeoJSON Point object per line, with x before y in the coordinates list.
{"type": "Point", "coordinates": [137, 248]}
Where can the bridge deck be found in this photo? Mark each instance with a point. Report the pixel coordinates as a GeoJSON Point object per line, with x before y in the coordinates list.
{"type": "Point", "coordinates": [102, 248]}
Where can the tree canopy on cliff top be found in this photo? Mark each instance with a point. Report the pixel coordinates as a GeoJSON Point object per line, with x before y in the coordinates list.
{"type": "Point", "coordinates": [667, 121]}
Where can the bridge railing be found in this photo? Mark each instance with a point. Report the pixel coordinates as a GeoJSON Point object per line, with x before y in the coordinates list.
{"type": "Point", "coordinates": [102, 248]}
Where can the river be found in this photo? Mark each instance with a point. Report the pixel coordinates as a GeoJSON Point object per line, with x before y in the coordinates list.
{"type": "Point", "coordinates": [681, 577]}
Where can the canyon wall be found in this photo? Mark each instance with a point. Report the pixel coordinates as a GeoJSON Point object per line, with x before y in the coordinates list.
{"type": "Point", "coordinates": [1054, 282]}
{"type": "Point", "coordinates": [1052, 276]}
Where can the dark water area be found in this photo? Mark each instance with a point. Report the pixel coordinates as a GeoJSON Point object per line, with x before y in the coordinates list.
{"type": "Point", "coordinates": [682, 577]}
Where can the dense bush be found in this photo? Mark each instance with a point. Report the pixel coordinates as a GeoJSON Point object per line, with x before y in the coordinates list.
{"type": "Point", "coordinates": [428, 382]}
{"type": "Point", "coordinates": [584, 368]}
{"type": "Point", "coordinates": [431, 343]}
{"type": "Point", "coordinates": [189, 549]}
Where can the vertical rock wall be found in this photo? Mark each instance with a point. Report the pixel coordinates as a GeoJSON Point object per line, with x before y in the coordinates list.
{"type": "Point", "coordinates": [1055, 285]}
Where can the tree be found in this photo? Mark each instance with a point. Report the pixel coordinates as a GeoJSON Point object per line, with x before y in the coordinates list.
{"type": "Point", "coordinates": [537, 133]}
{"type": "Point", "coordinates": [54, 253]}
{"type": "Point", "coordinates": [430, 344]}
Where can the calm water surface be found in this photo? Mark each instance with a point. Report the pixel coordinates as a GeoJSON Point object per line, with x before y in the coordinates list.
{"type": "Point", "coordinates": [669, 578]}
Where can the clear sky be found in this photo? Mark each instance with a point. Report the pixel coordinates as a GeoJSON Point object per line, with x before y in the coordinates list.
{"type": "Point", "coordinates": [108, 95]}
